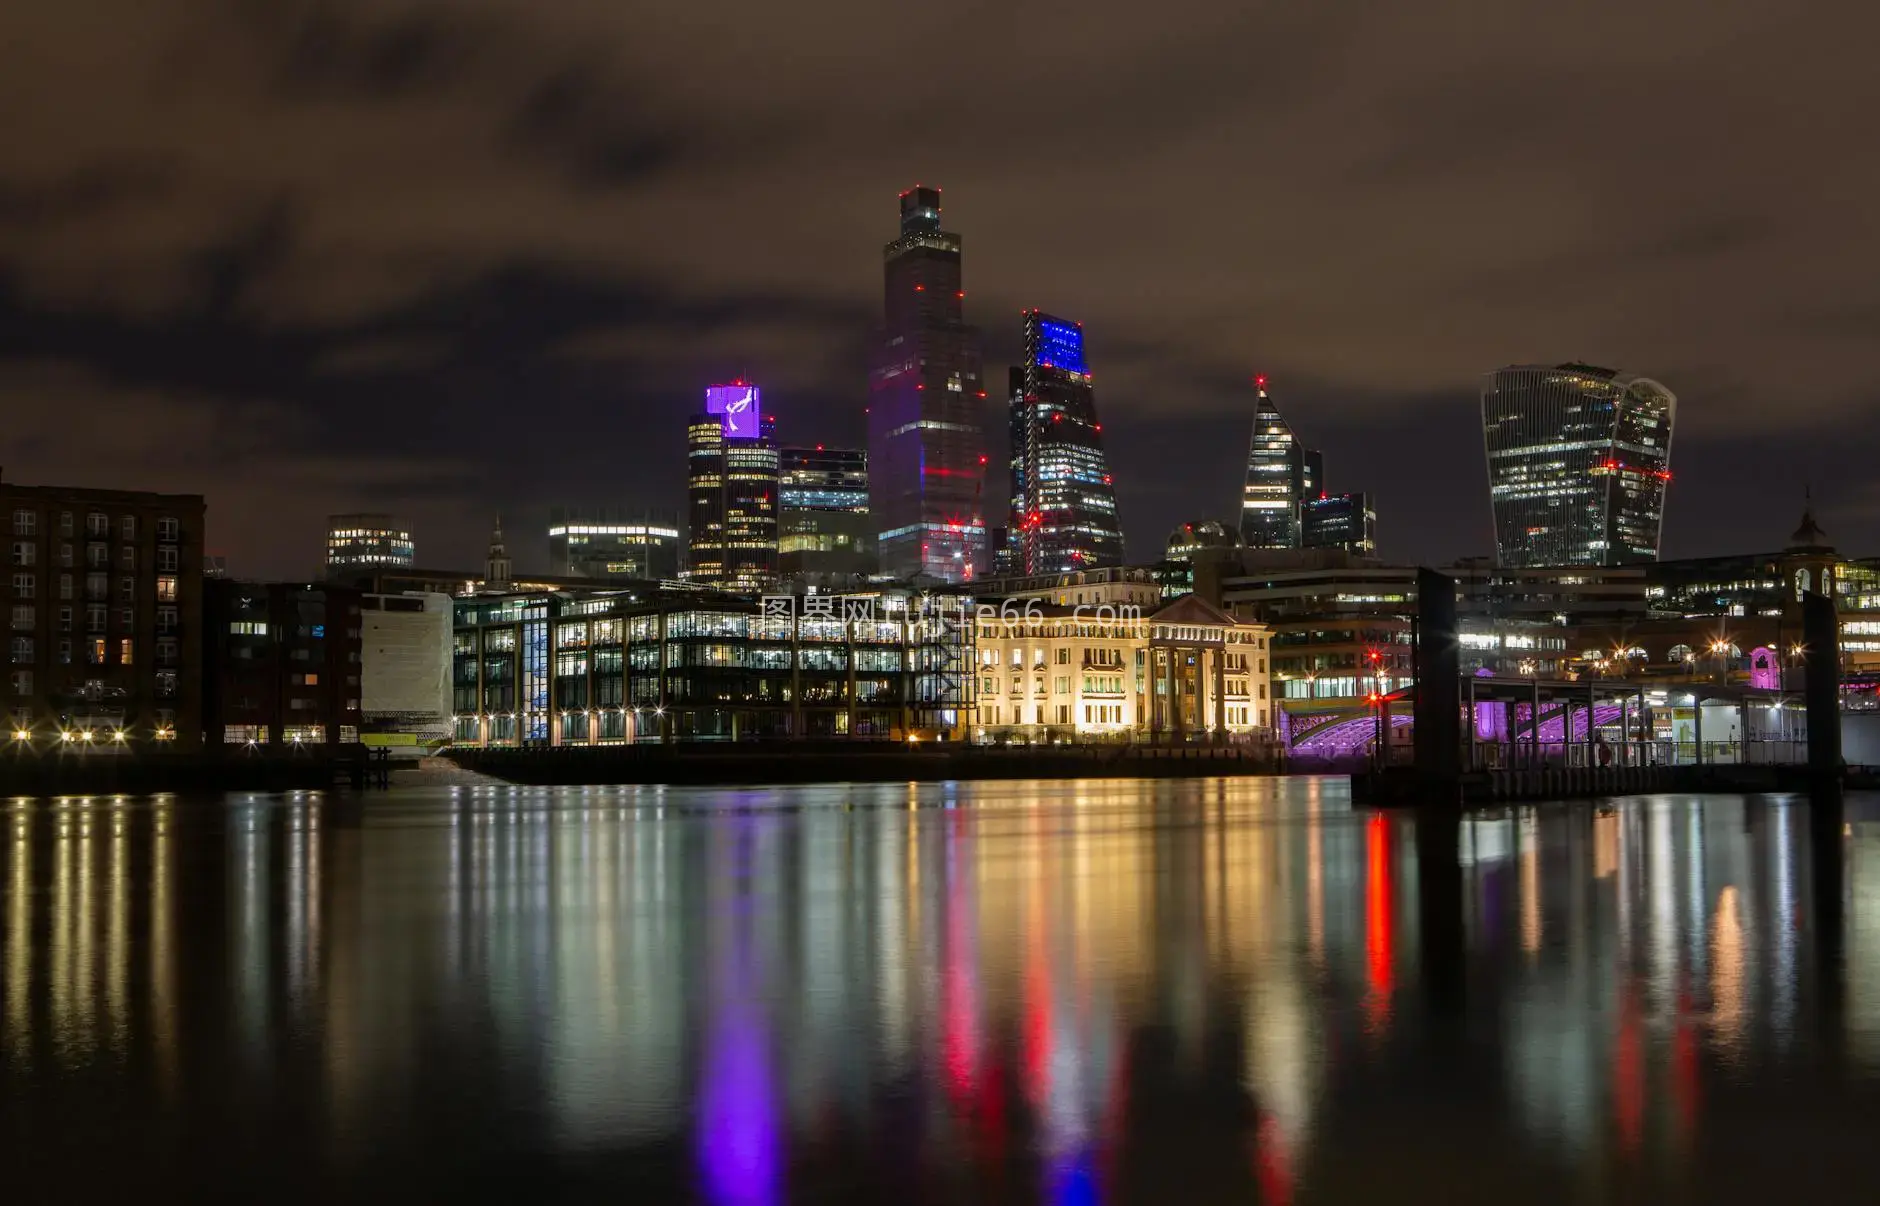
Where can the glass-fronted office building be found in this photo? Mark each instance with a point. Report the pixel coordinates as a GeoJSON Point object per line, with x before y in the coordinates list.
{"type": "Point", "coordinates": [1579, 459]}
{"type": "Point", "coordinates": [825, 528]}
{"type": "Point", "coordinates": [556, 669]}
{"type": "Point", "coordinates": [635, 543]}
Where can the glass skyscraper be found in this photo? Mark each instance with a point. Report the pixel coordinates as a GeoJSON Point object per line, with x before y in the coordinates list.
{"type": "Point", "coordinates": [1063, 513]}
{"type": "Point", "coordinates": [1281, 473]}
{"type": "Point", "coordinates": [1579, 459]}
{"type": "Point", "coordinates": [731, 458]}
{"type": "Point", "coordinates": [926, 438]}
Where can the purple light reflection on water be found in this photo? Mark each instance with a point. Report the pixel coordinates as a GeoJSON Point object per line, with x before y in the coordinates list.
{"type": "Point", "coordinates": [737, 1126]}
{"type": "Point", "coordinates": [737, 1129]}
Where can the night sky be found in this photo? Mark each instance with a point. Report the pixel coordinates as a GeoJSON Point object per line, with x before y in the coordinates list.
{"type": "Point", "coordinates": [447, 259]}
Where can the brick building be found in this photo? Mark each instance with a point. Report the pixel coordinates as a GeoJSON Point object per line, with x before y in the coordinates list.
{"type": "Point", "coordinates": [103, 602]}
{"type": "Point", "coordinates": [281, 665]}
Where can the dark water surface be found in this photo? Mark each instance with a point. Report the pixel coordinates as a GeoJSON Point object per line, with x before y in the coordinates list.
{"type": "Point", "coordinates": [1125, 991]}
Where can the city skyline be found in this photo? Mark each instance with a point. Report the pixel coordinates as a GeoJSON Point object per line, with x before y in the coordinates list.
{"type": "Point", "coordinates": [591, 251]}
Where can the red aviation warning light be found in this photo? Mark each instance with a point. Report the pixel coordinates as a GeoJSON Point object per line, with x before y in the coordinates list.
{"type": "Point", "coordinates": [1259, 380]}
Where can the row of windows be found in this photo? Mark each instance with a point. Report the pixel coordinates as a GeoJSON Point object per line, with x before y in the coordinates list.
{"type": "Point", "coordinates": [163, 686]}
{"type": "Point", "coordinates": [24, 651]}
{"type": "Point", "coordinates": [25, 617]}
{"type": "Point", "coordinates": [97, 586]}
{"type": "Point", "coordinates": [97, 525]}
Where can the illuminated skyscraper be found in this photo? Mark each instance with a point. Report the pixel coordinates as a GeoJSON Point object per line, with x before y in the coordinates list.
{"type": "Point", "coordinates": [926, 441]}
{"type": "Point", "coordinates": [1578, 462]}
{"type": "Point", "coordinates": [1281, 474]}
{"type": "Point", "coordinates": [1063, 515]}
{"type": "Point", "coordinates": [731, 457]}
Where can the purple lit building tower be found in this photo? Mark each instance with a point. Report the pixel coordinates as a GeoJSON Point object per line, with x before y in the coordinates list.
{"type": "Point", "coordinates": [731, 460]}
{"type": "Point", "coordinates": [926, 434]}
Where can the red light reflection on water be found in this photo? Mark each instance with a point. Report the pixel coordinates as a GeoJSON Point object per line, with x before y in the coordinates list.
{"type": "Point", "coordinates": [1378, 936]}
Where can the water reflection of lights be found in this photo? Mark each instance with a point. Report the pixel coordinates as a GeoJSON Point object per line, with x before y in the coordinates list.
{"type": "Point", "coordinates": [1379, 947]}
{"type": "Point", "coordinates": [652, 969]}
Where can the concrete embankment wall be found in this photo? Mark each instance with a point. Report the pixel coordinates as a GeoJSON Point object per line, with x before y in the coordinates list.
{"type": "Point", "coordinates": [854, 763]}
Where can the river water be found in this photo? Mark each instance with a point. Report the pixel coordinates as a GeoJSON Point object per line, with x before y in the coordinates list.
{"type": "Point", "coordinates": [1123, 991]}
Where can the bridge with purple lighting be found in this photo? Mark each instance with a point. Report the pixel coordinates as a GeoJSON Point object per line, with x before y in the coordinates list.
{"type": "Point", "coordinates": [1526, 722]}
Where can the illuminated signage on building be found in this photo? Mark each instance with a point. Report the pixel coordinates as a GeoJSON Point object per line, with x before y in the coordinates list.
{"type": "Point", "coordinates": [738, 406]}
{"type": "Point", "coordinates": [1060, 346]}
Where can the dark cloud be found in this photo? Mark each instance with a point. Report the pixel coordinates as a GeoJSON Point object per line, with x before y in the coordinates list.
{"type": "Point", "coordinates": [85, 192]}
{"type": "Point", "coordinates": [513, 240]}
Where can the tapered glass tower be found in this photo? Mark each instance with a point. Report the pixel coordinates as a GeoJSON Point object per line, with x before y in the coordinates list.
{"type": "Point", "coordinates": [1579, 459]}
{"type": "Point", "coordinates": [1281, 473]}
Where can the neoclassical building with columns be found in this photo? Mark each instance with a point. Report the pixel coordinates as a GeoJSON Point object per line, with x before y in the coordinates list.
{"type": "Point", "coordinates": [1097, 670]}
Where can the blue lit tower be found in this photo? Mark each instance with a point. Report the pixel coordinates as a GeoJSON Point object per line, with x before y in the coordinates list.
{"type": "Point", "coordinates": [926, 441]}
{"type": "Point", "coordinates": [1063, 500]}
{"type": "Point", "coordinates": [1579, 459]}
